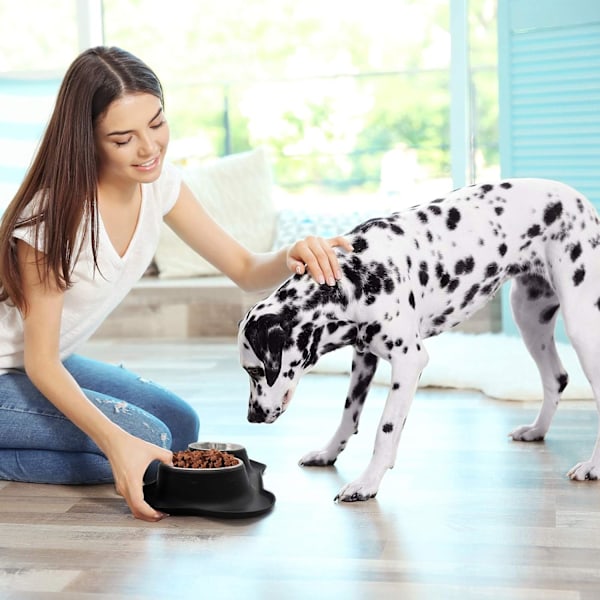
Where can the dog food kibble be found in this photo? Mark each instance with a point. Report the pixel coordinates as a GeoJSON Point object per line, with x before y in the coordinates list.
{"type": "Point", "coordinates": [203, 459]}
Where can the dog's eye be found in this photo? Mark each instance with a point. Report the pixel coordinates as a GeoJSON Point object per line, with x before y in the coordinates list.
{"type": "Point", "coordinates": [255, 373]}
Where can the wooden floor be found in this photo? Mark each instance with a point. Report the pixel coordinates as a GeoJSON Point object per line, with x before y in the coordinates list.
{"type": "Point", "coordinates": [465, 513]}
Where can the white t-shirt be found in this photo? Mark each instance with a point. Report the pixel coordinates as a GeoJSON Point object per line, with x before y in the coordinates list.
{"type": "Point", "coordinates": [95, 293]}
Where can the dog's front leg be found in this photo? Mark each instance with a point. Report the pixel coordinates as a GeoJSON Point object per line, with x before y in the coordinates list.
{"type": "Point", "coordinates": [364, 366]}
{"type": "Point", "coordinates": [406, 370]}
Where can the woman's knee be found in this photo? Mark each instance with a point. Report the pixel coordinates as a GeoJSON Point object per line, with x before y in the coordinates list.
{"type": "Point", "coordinates": [133, 419]}
{"type": "Point", "coordinates": [178, 415]}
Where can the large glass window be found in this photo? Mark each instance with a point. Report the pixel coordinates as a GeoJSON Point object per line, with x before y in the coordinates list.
{"type": "Point", "coordinates": [347, 95]}
{"type": "Point", "coordinates": [37, 36]}
{"type": "Point", "coordinates": [39, 40]}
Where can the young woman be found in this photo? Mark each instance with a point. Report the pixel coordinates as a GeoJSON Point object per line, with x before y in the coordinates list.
{"type": "Point", "coordinates": [79, 233]}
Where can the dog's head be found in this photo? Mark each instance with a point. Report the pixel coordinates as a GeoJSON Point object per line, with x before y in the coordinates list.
{"type": "Point", "coordinates": [265, 340]}
{"type": "Point", "coordinates": [283, 337]}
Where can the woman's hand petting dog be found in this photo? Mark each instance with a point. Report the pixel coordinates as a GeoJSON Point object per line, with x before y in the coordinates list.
{"type": "Point", "coordinates": [316, 255]}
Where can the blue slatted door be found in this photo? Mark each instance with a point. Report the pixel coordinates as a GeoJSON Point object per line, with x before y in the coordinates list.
{"type": "Point", "coordinates": [549, 74]}
{"type": "Point", "coordinates": [25, 106]}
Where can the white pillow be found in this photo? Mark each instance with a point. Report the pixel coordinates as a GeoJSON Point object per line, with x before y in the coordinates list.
{"type": "Point", "coordinates": [237, 192]}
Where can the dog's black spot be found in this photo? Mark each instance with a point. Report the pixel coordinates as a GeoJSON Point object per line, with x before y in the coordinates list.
{"type": "Point", "coordinates": [423, 273]}
{"type": "Point", "coordinates": [454, 283]}
{"type": "Point", "coordinates": [363, 227]}
{"type": "Point", "coordinates": [498, 210]}
{"type": "Point", "coordinates": [372, 286]}
{"type": "Point", "coordinates": [370, 360]}
{"type": "Point", "coordinates": [552, 212]}
{"type": "Point", "coordinates": [453, 218]}
{"type": "Point", "coordinates": [422, 216]}
{"type": "Point", "coordinates": [332, 327]}
{"type": "Point", "coordinates": [371, 330]}
{"type": "Point", "coordinates": [359, 391]}
{"type": "Point", "coordinates": [325, 294]}
{"type": "Point", "coordinates": [513, 269]}
{"type": "Point", "coordinates": [578, 276]}
{"type": "Point", "coordinates": [491, 270]}
{"type": "Point", "coordinates": [548, 313]}
{"type": "Point", "coordinates": [303, 338]}
{"type": "Point", "coordinates": [396, 386]}
{"type": "Point", "coordinates": [502, 249]}
{"type": "Point", "coordinates": [525, 245]}
{"type": "Point", "coordinates": [311, 353]}
{"type": "Point", "coordinates": [465, 265]}
{"type": "Point", "coordinates": [350, 336]}
{"type": "Point", "coordinates": [534, 231]}
{"type": "Point", "coordinates": [575, 252]}
{"type": "Point", "coordinates": [486, 187]}
{"type": "Point", "coordinates": [359, 244]}
{"type": "Point", "coordinates": [442, 275]}
{"type": "Point", "coordinates": [411, 299]}
{"type": "Point", "coordinates": [534, 293]}
{"type": "Point", "coordinates": [387, 428]}
{"type": "Point", "coordinates": [352, 271]}
{"type": "Point", "coordinates": [434, 209]}
{"type": "Point", "coordinates": [470, 295]}
{"type": "Point", "coordinates": [506, 185]}
{"type": "Point", "coordinates": [563, 380]}
{"type": "Point", "coordinates": [284, 294]}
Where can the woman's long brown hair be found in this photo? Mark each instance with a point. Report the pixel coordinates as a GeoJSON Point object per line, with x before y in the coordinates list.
{"type": "Point", "coordinates": [65, 171]}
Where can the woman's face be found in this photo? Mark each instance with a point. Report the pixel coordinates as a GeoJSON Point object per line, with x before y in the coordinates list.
{"type": "Point", "coordinates": [131, 140]}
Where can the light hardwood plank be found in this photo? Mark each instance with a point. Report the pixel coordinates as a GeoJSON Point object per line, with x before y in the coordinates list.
{"type": "Point", "coordinates": [465, 513]}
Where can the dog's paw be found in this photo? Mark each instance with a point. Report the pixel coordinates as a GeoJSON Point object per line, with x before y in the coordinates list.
{"type": "Point", "coordinates": [585, 471]}
{"type": "Point", "coordinates": [318, 458]}
{"type": "Point", "coordinates": [527, 433]}
{"type": "Point", "coordinates": [356, 491]}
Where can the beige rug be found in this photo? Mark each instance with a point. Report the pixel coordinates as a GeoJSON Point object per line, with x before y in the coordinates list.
{"type": "Point", "coordinates": [497, 364]}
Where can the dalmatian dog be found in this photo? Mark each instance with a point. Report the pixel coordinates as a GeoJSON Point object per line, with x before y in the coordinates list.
{"type": "Point", "coordinates": [417, 273]}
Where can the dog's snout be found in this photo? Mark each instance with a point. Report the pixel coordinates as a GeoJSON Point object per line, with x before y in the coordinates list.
{"type": "Point", "coordinates": [256, 414]}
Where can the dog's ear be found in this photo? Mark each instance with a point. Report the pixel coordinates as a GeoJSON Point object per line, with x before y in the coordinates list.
{"type": "Point", "coordinates": [267, 336]}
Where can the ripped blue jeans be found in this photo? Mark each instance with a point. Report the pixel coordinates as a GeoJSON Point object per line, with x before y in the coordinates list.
{"type": "Point", "coordinates": [39, 444]}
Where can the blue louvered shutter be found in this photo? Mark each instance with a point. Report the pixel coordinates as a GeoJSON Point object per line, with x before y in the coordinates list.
{"type": "Point", "coordinates": [549, 74]}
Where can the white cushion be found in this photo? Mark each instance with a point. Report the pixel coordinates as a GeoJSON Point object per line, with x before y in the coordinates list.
{"type": "Point", "coordinates": [237, 192]}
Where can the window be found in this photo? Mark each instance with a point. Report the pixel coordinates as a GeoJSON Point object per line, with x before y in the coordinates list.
{"type": "Point", "coordinates": [334, 89]}
{"type": "Point", "coordinates": [36, 48]}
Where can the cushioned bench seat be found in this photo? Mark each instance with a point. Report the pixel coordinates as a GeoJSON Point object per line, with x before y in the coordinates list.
{"type": "Point", "coordinates": [180, 308]}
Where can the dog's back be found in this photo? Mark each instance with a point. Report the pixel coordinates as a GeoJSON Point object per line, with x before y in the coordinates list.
{"type": "Point", "coordinates": [452, 255]}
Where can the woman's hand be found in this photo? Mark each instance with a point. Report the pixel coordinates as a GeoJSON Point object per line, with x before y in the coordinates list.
{"type": "Point", "coordinates": [129, 459]}
{"type": "Point", "coordinates": [316, 255]}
